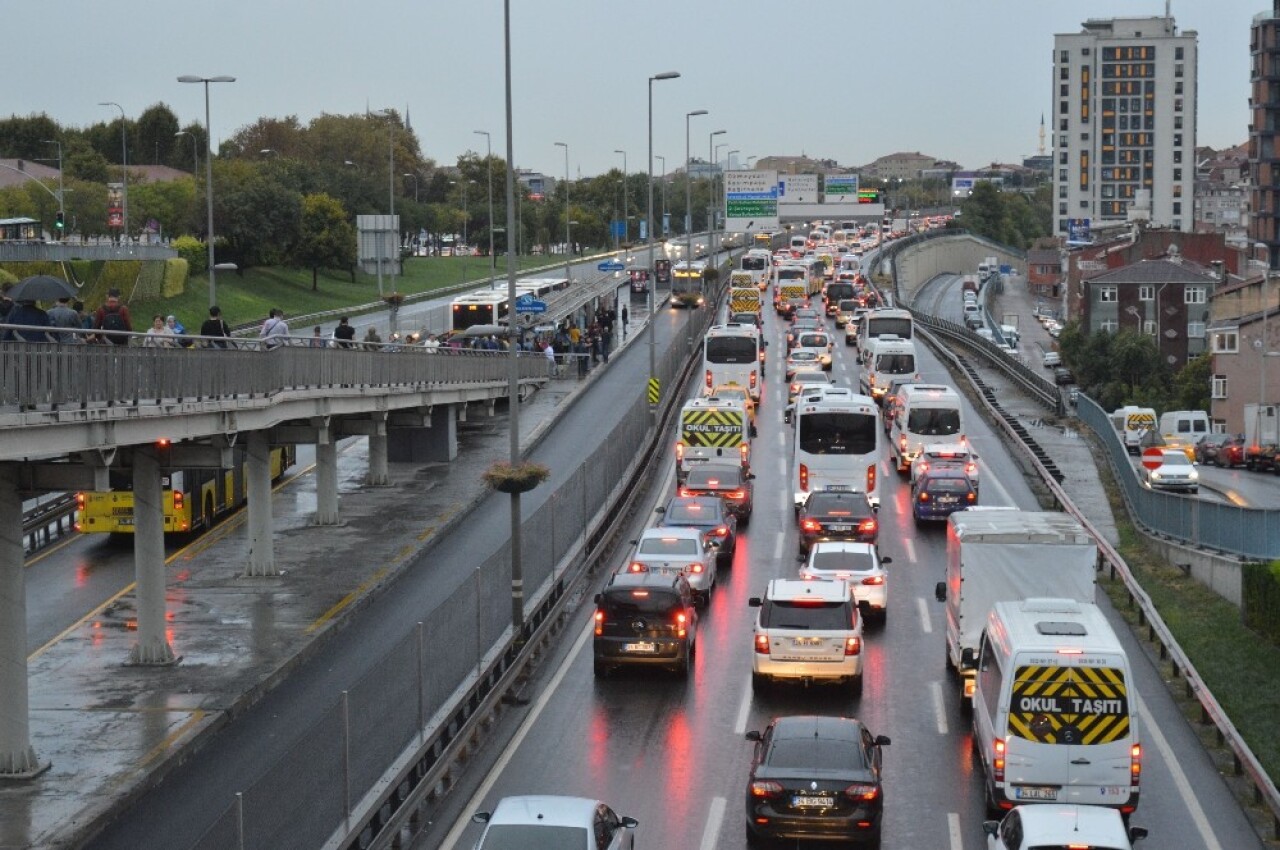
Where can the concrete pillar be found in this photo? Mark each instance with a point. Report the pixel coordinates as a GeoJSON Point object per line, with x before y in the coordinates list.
{"type": "Point", "coordinates": [326, 480]}
{"type": "Point", "coordinates": [152, 645]}
{"type": "Point", "coordinates": [378, 475]}
{"type": "Point", "coordinates": [439, 442]}
{"type": "Point", "coordinates": [17, 757]}
{"type": "Point", "coordinates": [262, 553]}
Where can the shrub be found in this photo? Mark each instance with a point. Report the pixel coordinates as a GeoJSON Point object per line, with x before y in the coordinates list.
{"type": "Point", "coordinates": [175, 277]}
{"type": "Point", "coordinates": [8, 276]}
{"type": "Point", "coordinates": [1261, 602]}
{"type": "Point", "coordinates": [194, 252]}
{"type": "Point", "coordinates": [521, 478]}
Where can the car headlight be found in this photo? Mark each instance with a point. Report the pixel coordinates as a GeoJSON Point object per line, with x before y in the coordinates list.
{"type": "Point", "coordinates": [1155, 476]}
{"type": "Point", "coordinates": [1195, 476]}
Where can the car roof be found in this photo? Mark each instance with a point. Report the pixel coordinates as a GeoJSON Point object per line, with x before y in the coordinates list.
{"type": "Point", "coordinates": [545, 810]}
{"type": "Point", "coordinates": [804, 590]}
{"type": "Point", "coordinates": [1057, 824]}
{"type": "Point", "coordinates": [678, 530]}
{"type": "Point", "coordinates": [625, 580]}
{"type": "Point", "coordinates": [847, 546]}
{"type": "Point", "coordinates": [944, 449]}
{"type": "Point", "coordinates": [817, 726]}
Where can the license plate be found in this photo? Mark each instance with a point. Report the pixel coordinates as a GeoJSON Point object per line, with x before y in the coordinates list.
{"type": "Point", "coordinates": [1035, 793]}
{"type": "Point", "coordinates": [806, 641]}
{"type": "Point", "coordinates": [807, 802]}
{"type": "Point", "coordinates": [840, 527]}
{"type": "Point", "coordinates": [642, 646]}
{"type": "Point", "coordinates": [667, 570]}
{"type": "Point", "coordinates": [946, 500]}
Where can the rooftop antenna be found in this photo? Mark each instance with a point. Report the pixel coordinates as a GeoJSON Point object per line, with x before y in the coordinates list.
{"type": "Point", "coordinates": [1041, 134]}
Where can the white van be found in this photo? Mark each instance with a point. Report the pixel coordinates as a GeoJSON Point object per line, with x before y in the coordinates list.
{"type": "Point", "coordinates": [1055, 708]}
{"type": "Point", "coordinates": [1135, 426]}
{"type": "Point", "coordinates": [887, 357]}
{"type": "Point", "coordinates": [799, 245]}
{"type": "Point", "coordinates": [925, 414]}
{"type": "Point", "coordinates": [1184, 426]}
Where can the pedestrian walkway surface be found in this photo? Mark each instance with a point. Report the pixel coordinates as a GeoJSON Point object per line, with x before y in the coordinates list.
{"type": "Point", "coordinates": [108, 730]}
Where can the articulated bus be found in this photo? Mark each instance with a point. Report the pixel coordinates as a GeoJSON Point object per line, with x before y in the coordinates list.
{"type": "Point", "coordinates": [193, 499]}
{"type": "Point", "coordinates": [837, 446]}
{"type": "Point", "coordinates": [687, 282]}
{"type": "Point", "coordinates": [490, 307]}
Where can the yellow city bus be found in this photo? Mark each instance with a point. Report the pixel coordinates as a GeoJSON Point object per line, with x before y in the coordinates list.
{"type": "Point", "coordinates": [193, 499]}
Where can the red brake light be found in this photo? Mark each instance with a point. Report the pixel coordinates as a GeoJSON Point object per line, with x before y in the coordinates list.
{"type": "Point", "coordinates": [80, 500]}
{"type": "Point", "coordinates": [811, 525]}
{"type": "Point", "coordinates": [737, 494]}
{"type": "Point", "coordinates": [902, 442]}
{"type": "Point", "coordinates": [679, 452]}
{"type": "Point", "coordinates": [637, 567]}
{"type": "Point", "coordinates": [762, 644]}
{"type": "Point", "coordinates": [708, 378]}
{"type": "Point", "coordinates": [742, 450]}
{"type": "Point", "coordinates": [970, 468]}
{"type": "Point", "coordinates": [804, 477]}
{"type": "Point", "coordinates": [684, 491]}
{"type": "Point", "coordinates": [753, 380]}
{"type": "Point", "coordinates": [722, 531]}
{"type": "Point", "coordinates": [599, 622]}
{"type": "Point", "coordinates": [924, 497]}
{"type": "Point", "coordinates": [862, 793]}
{"type": "Point", "coordinates": [868, 525]}
{"type": "Point", "coordinates": [873, 580]}
{"type": "Point", "coordinates": [852, 646]}
{"type": "Point", "coordinates": [871, 478]}
{"type": "Point", "coordinates": [972, 497]}
{"type": "Point", "coordinates": [997, 763]}
{"type": "Point", "coordinates": [1135, 764]}
{"type": "Point", "coordinates": [924, 467]}
{"type": "Point", "coordinates": [696, 569]}
{"type": "Point", "coordinates": [765, 789]}
{"type": "Point", "coordinates": [177, 500]}
{"type": "Point", "coordinates": [682, 622]}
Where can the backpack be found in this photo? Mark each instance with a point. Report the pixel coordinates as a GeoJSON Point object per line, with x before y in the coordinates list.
{"type": "Point", "coordinates": [112, 320]}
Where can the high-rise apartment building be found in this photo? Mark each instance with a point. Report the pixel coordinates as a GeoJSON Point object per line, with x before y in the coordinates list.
{"type": "Point", "coordinates": [1124, 125]}
{"type": "Point", "coordinates": [1264, 128]}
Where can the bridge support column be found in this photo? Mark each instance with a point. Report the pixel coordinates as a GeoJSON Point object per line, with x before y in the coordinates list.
{"type": "Point", "coordinates": [378, 474]}
{"type": "Point", "coordinates": [17, 757]}
{"type": "Point", "coordinates": [436, 443]}
{"type": "Point", "coordinates": [326, 480]}
{"type": "Point", "coordinates": [262, 553]}
{"type": "Point", "coordinates": [152, 646]}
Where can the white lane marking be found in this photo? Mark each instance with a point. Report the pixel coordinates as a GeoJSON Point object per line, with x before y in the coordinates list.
{"type": "Point", "coordinates": [715, 818]}
{"type": "Point", "coordinates": [939, 708]}
{"type": "Point", "coordinates": [782, 467]}
{"type": "Point", "coordinates": [786, 501]}
{"type": "Point", "coordinates": [911, 549]}
{"type": "Point", "coordinates": [1180, 780]}
{"type": "Point", "coordinates": [777, 548]}
{"type": "Point", "coordinates": [526, 726]}
{"type": "Point", "coordinates": [1004, 494]}
{"type": "Point", "coordinates": [744, 711]}
{"type": "Point", "coordinates": [953, 827]}
{"type": "Point", "coordinates": [926, 622]}
{"type": "Point", "coordinates": [782, 440]}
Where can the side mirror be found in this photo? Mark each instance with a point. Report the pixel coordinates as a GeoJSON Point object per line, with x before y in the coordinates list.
{"type": "Point", "coordinates": [634, 542]}
{"type": "Point", "coordinates": [968, 657]}
{"type": "Point", "coordinates": [754, 736]}
{"type": "Point", "coordinates": [751, 476]}
{"type": "Point", "coordinates": [800, 559]}
{"type": "Point", "coordinates": [1137, 833]}
{"type": "Point", "coordinates": [991, 827]}
{"type": "Point", "coordinates": [754, 602]}
{"type": "Point", "coordinates": [940, 591]}
{"type": "Point", "coordinates": [630, 823]}
{"type": "Point", "coordinates": [886, 560]}
{"type": "Point", "coordinates": [599, 598]}
{"type": "Point", "coordinates": [661, 509]}
{"type": "Point", "coordinates": [480, 817]}
{"type": "Point", "coordinates": [882, 741]}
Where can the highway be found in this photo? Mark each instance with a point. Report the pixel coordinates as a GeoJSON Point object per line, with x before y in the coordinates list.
{"type": "Point", "coordinates": [671, 753]}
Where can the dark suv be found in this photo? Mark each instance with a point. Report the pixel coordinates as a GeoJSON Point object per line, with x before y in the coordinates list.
{"type": "Point", "coordinates": [730, 483]}
{"type": "Point", "coordinates": [645, 619]}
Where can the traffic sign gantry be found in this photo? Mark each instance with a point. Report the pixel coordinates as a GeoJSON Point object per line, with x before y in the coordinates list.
{"type": "Point", "coordinates": [1153, 458]}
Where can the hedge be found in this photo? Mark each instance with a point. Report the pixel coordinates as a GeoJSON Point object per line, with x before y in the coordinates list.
{"type": "Point", "coordinates": [175, 277]}
{"type": "Point", "coordinates": [1261, 603]}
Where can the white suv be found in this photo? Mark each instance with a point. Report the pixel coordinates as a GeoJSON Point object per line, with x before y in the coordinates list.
{"type": "Point", "coordinates": [807, 631]}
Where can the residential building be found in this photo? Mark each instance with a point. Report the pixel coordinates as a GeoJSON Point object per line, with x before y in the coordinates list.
{"type": "Point", "coordinates": [1244, 344]}
{"type": "Point", "coordinates": [15, 172]}
{"type": "Point", "coordinates": [539, 185]}
{"type": "Point", "coordinates": [1044, 272]}
{"type": "Point", "coordinates": [897, 166]}
{"type": "Point", "coordinates": [1264, 128]}
{"type": "Point", "coordinates": [797, 165]}
{"type": "Point", "coordinates": [1124, 121]}
{"type": "Point", "coordinates": [1223, 190]}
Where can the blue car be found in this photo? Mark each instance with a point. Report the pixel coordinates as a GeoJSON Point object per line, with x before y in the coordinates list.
{"type": "Point", "coordinates": [937, 495]}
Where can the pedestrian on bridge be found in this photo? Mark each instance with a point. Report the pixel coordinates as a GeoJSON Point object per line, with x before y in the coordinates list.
{"type": "Point", "coordinates": [275, 330]}
{"type": "Point", "coordinates": [215, 326]}
{"type": "Point", "coordinates": [344, 335]}
{"type": "Point", "coordinates": [63, 316]}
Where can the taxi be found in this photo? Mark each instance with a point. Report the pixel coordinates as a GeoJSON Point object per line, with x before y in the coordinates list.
{"type": "Point", "coordinates": [737, 392]}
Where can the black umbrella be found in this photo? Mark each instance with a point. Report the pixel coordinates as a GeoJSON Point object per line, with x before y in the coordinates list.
{"type": "Point", "coordinates": [42, 287]}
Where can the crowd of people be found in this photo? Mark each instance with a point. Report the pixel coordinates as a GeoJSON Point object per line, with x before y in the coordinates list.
{"type": "Point", "coordinates": [580, 342]}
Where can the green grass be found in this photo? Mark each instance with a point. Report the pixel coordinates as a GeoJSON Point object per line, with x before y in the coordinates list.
{"type": "Point", "coordinates": [1240, 667]}
{"type": "Point", "coordinates": [246, 298]}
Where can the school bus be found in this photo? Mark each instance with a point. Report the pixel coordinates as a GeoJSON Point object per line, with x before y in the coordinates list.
{"type": "Point", "coordinates": [193, 499]}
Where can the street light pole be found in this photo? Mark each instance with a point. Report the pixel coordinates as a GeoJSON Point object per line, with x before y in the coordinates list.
{"type": "Point", "coordinates": [195, 153]}
{"type": "Point", "coordinates": [653, 279]}
{"type": "Point", "coordinates": [124, 167]}
{"type": "Point", "coordinates": [711, 193]}
{"type": "Point", "coordinates": [568, 237]}
{"type": "Point", "coordinates": [208, 178]}
{"type": "Point", "coordinates": [663, 182]}
{"type": "Point", "coordinates": [493, 259]}
{"type": "Point", "coordinates": [415, 185]}
{"type": "Point", "coordinates": [62, 209]}
{"type": "Point", "coordinates": [688, 191]}
{"type": "Point", "coordinates": [626, 229]}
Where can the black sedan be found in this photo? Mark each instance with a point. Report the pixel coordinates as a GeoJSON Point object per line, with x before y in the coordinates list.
{"type": "Point", "coordinates": [815, 778]}
{"type": "Point", "coordinates": [730, 483]}
{"type": "Point", "coordinates": [1062, 376]}
{"type": "Point", "coordinates": [709, 515]}
{"type": "Point", "coordinates": [837, 515]}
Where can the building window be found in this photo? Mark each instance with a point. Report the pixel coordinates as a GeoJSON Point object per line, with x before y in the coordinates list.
{"type": "Point", "coordinates": [1177, 174]}
{"type": "Point", "coordinates": [1177, 53]}
{"type": "Point", "coordinates": [1106, 294]}
{"type": "Point", "coordinates": [1147, 292]}
{"type": "Point", "coordinates": [1062, 191]}
{"type": "Point", "coordinates": [1108, 326]}
{"type": "Point", "coordinates": [1195, 330]}
{"type": "Point", "coordinates": [1084, 205]}
{"type": "Point", "coordinates": [1064, 107]}
{"type": "Point", "coordinates": [1177, 123]}
{"type": "Point", "coordinates": [1064, 124]}
{"type": "Point", "coordinates": [1193, 295]}
{"type": "Point", "coordinates": [1177, 69]}
{"type": "Point", "coordinates": [1084, 51]}
{"type": "Point", "coordinates": [1177, 140]}
{"type": "Point", "coordinates": [1062, 175]}
{"type": "Point", "coordinates": [1064, 73]}
{"type": "Point", "coordinates": [1176, 224]}
{"type": "Point", "coordinates": [1219, 386]}
{"type": "Point", "coordinates": [1064, 56]}
{"type": "Point", "coordinates": [1064, 90]}
{"type": "Point", "coordinates": [1177, 156]}
{"type": "Point", "coordinates": [1177, 104]}
{"type": "Point", "coordinates": [1177, 87]}
{"type": "Point", "coordinates": [1177, 207]}
{"type": "Point", "coordinates": [1226, 342]}
{"type": "Point", "coordinates": [1062, 140]}
{"type": "Point", "coordinates": [1062, 210]}
{"type": "Point", "coordinates": [1062, 158]}
{"type": "Point", "coordinates": [1149, 327]}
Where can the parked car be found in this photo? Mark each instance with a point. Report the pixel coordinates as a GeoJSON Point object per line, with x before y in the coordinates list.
{"type": "Point", "coordinates": [1208, 446]}
{"type": "Point", "coordinates": [1231, 453]}
{"type": "Point", "coordinates": [815, 777]}
{"type": "Point", "coordinates": [1052, 359]}
{"type": "Point", "coordinates": [1063, 376]}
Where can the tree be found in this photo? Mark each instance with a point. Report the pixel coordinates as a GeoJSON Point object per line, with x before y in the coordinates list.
{"type": "Point", "coordinates": [260, 216]}
{"type": "Point", "coordinates": [1192, 383]}
{"type": "Point", "coordinates": [326, 238]}
{"type": "Point", "coordinates": [155, 135]}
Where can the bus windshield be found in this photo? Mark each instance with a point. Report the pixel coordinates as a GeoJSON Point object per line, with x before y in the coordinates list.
{"type": "Point", "coordinates": [934, 421]}
{"type": "Point", "coordinates": [731, 349]}
{"type": "Point", "coordinates": [754, 264]}
{"type": "Point", "coordinates": [838, 433]}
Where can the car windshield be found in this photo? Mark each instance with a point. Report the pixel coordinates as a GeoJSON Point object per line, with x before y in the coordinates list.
{"type": "Point", "coordinates": [948, 485]}
{"type": "Point", "coordinates": [668, 546]}
{"type": "Point", "coordinates": [816, 754]}
{"type": "Point", "coordinates": [806, 615]}
{"type": "Point", "coordinates": [838, 433]}
{"type": "Point", "coordinates": [860, 562]}
{"type": "Point", "coordinates": [805, 376]}
{"type": "Point", "coordinates": [934, 421]}
{"type": "Point", "coordinates": [708, 479]}
{"type": "Point", "coordinates": [1175, 458]}
{"type": "Point", "coordinates": [699, 512]}
{"type": "Point", "coordinates": [731, 349]}
{"type": "Point", "coordinates": [754, 264]}
{"type": "Point", "coordinates": [813, 340]}
{"type": "Point", "coordinates": [531, 837]}
{"type": "Point", "coordinates": [845, 504]}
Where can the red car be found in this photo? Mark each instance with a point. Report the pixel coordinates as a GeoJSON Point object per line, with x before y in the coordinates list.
{"type": "Point", "coordinates": [1230, 453]}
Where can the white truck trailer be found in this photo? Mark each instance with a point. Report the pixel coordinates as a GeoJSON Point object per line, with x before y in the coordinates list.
{"type": "Point", "coordinates": [1000, 554]}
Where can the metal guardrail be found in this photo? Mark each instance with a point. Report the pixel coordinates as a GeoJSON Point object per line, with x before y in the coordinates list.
{"type": "Point", "coordinates": [59, 252]}
{"type": "Point", "coordinates": [1245, 763]}
{"type": "Point", "coordinates": [48, 521]}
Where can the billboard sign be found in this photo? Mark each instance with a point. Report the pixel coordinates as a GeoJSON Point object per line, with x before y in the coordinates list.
{"type": "Point", "coordinates": [1078, 230]}
{"type": "Point", "coordinates": [377, 243]}
{"type": "Point", "coordinates": [839, 188]}
{"type": "Point", "coordinates": [798, 189]}
{"type": "Point", "coordinates": [751, 200]}
{"type": "Point", "coordinates": [115, 205]}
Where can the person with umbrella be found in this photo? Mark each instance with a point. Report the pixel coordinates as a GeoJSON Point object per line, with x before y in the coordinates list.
{"type": "Point", "coordinates": [28, 314]}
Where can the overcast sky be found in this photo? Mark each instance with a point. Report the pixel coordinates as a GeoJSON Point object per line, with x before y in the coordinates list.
{"type": "Point", "coordinates": [850, 80]}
